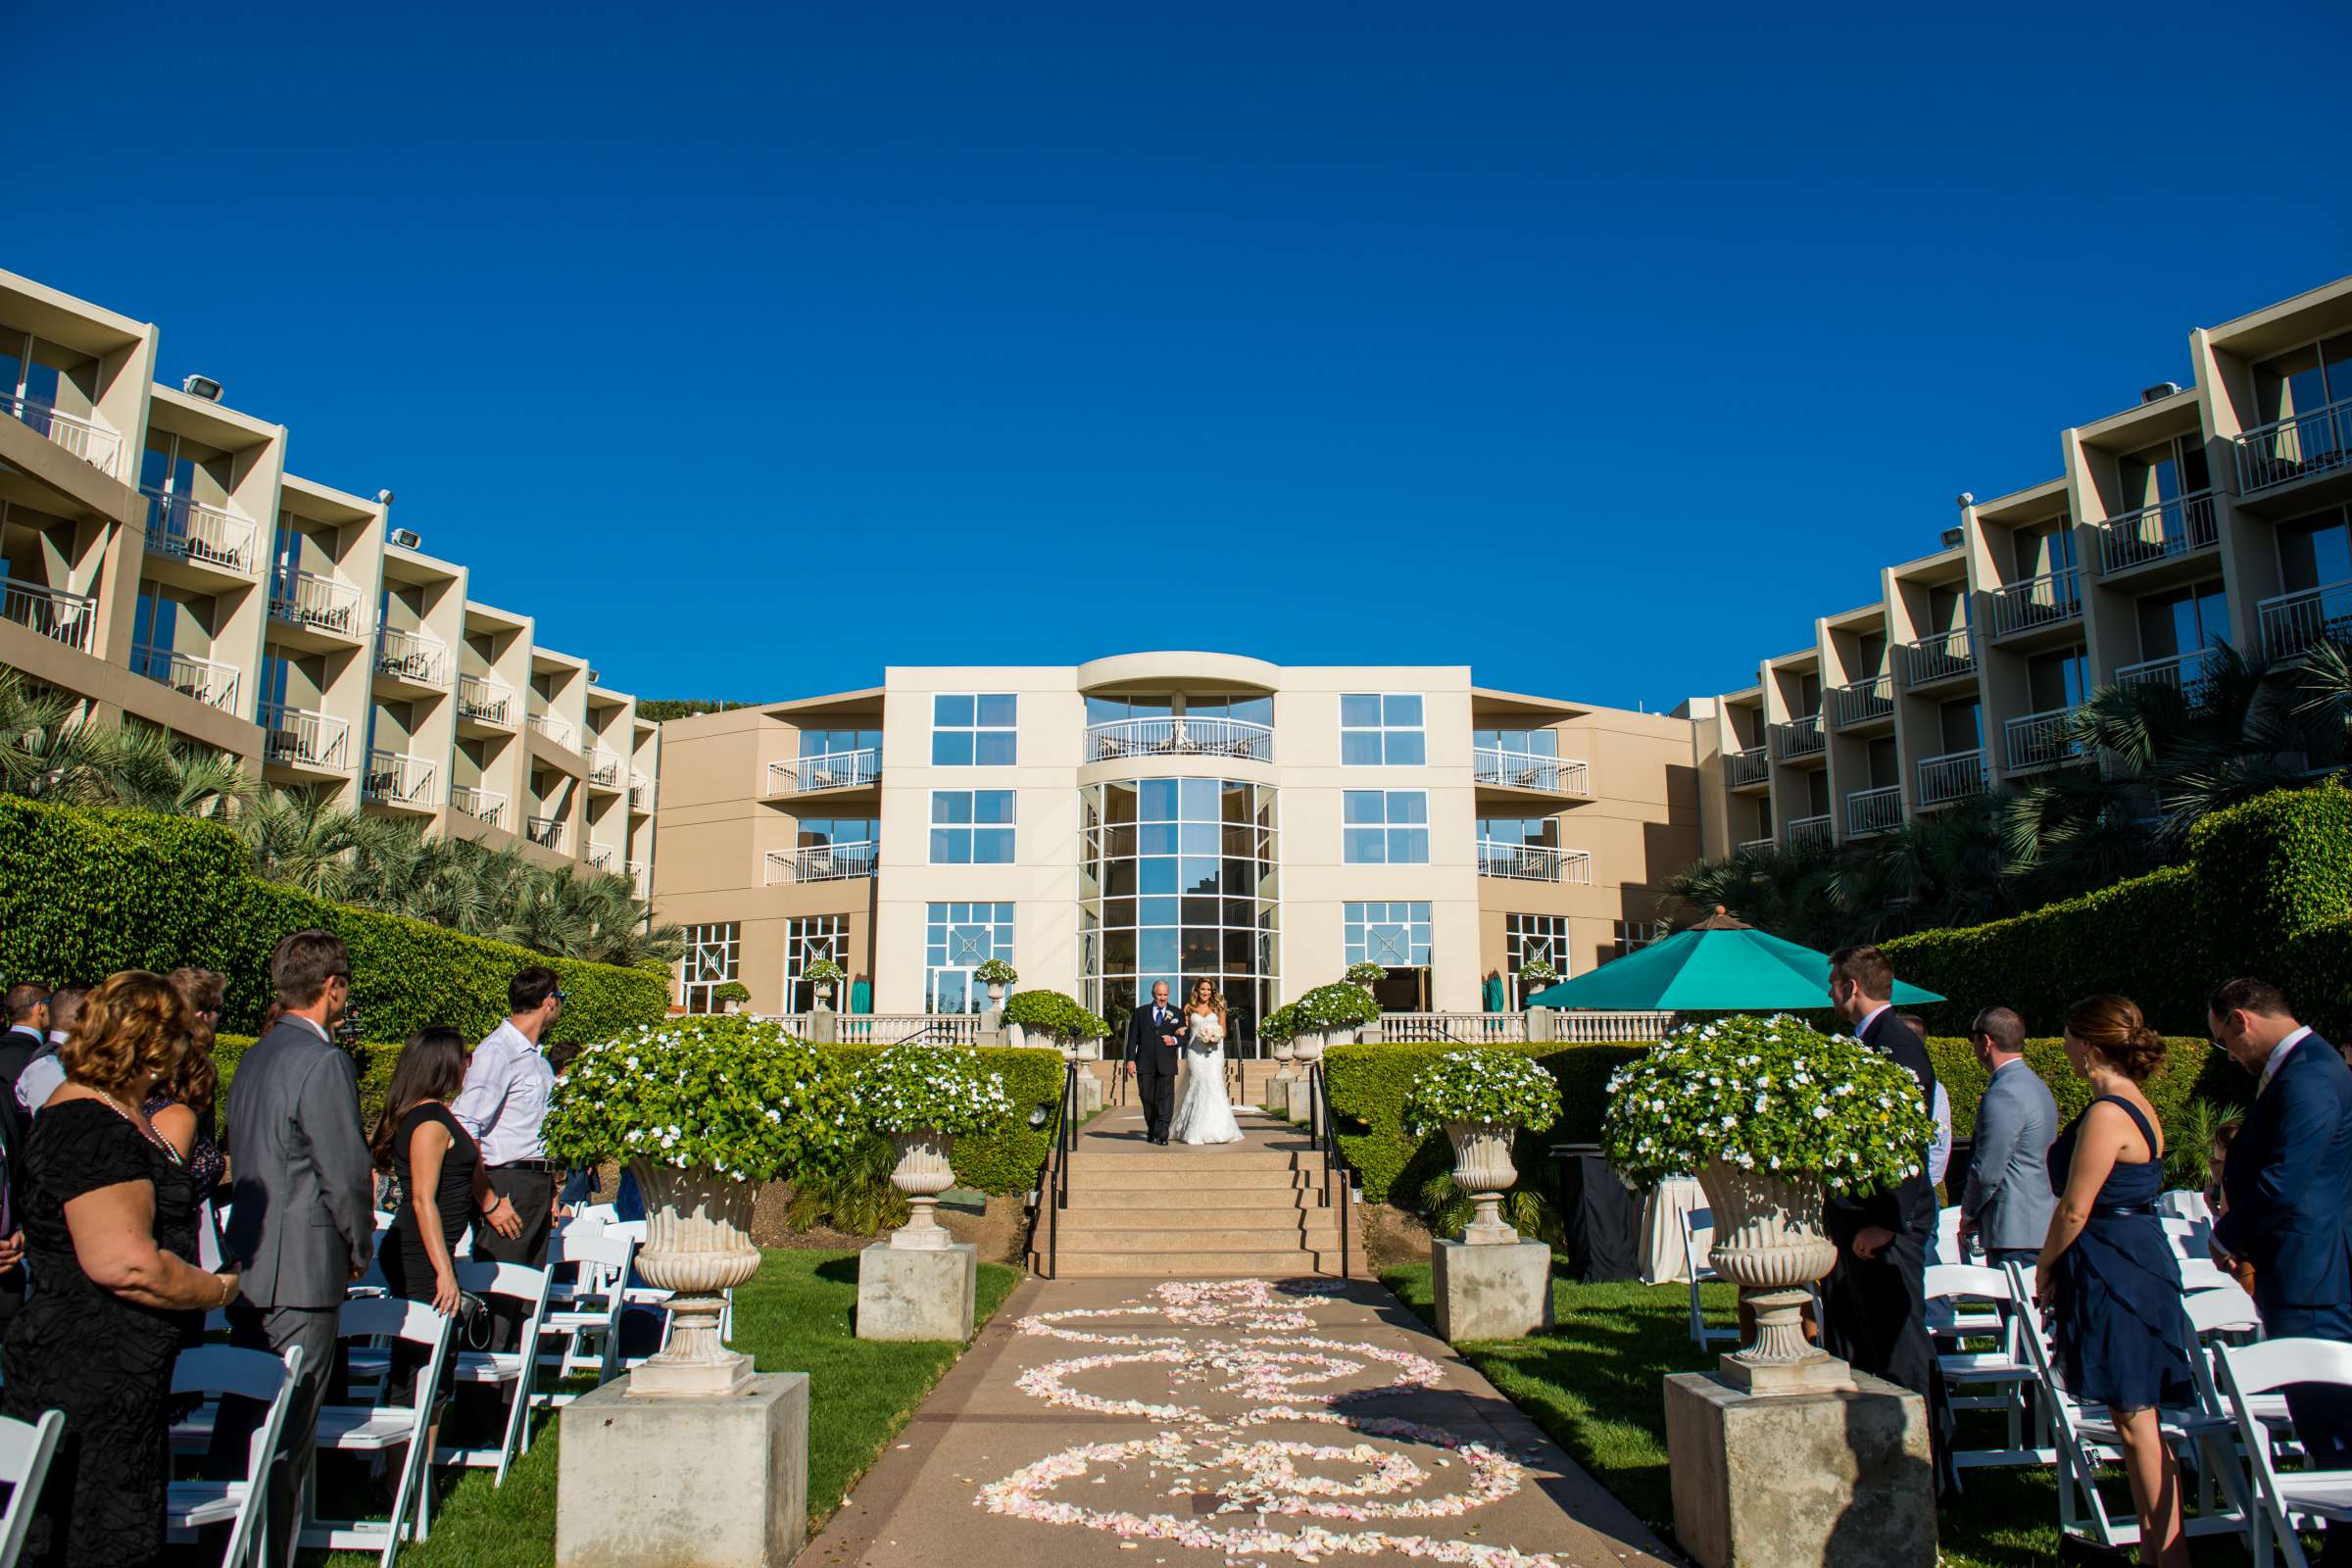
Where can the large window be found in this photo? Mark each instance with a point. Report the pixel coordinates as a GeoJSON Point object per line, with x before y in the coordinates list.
{"type": "Point", "coordinates": [959, 939]}
{"type": "Point", "coordinates": [1532, 936]}
{"type": "Point", "coordinates": [708, 963]}
{"type": "Point", "coordinates": [1634, 935]}
{"type": "Point", "coordinates": [807, 939]}
{"type": "Point", "coordinates": [1177, 883]}
{"type": "Point", "coordinates": [834, 742]}
{"type": "Point", "coordinates": [971, 827]}
{"type": "Point", "coordinates": [838, 832]}
{"type": "Point", "coordinates": [1394, 936]}
{"type": "Point", "coordinates": [974, 730]}
{"type": "Point", "coordinates": [1377, 730]}
{"type": "Point", "coordinates": [1518, 741]}
{"type": "Point", "coordinates": [1386, 827]}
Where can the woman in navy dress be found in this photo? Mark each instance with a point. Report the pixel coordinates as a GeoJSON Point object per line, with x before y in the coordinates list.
{"type": "Point", "coordinates": [2107, 1268]}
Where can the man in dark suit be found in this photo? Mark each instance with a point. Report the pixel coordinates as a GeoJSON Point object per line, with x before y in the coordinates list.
{"type": "Point", "coordinates": [303, 1224]}
{"type": "Point", "coordinates": [27, 1038]}
{"type": "Point", "coordinates": [2287, 1191]}
{"type": "Point", "coordinates": [1875, 1300]}
{"type": "Point", "coordinates": [1152, 1061]}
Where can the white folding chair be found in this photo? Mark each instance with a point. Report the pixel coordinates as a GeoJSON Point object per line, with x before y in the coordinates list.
{"type": "Point", "coordinates": [511, 1371]}
{"type": "Point", "coordinates": [268, 1381]}
{"type": "Point", "coordinates": [2252, 1370]}
{"type": "Point", "coordinates": [2200, 1273]}
{"type": "Point", "coordinates": [588, 1318]}
{"type": "Point", "coordinates": [26, 1449]}
{"type": "Point", "coordinates": [1698, 1236]}
{"type": "Point", "coordinates": [2183, 1203]}
{"type": "Point", "coordinates": [2000, 1368]}
{"type": "Point", "coordinates": [378, 1427]}
{"type": "Point", "coordinates": [2190, 1239]}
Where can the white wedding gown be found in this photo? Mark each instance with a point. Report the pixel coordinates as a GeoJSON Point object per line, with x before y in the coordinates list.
{"type": "Point", "coordinates": [1205, 1115]}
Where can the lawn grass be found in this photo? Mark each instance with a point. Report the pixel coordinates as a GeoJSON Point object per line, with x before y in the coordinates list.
{"type": "Point", "coordinates": [794, 1316]}
{"type": "Point", "coordinates": [1591, 1382]}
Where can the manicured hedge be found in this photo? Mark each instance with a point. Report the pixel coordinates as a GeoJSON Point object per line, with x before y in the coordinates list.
{"type": "Point", "coordinates": [84, 893]}
{"type": "Point", "coordinates": [2193, 1069]}
{"type": "Point", "coordinates": [2270, 870]}
{"type": "Point", "coordinates": [1008, 1162]}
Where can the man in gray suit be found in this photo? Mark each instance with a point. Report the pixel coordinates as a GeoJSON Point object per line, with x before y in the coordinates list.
{"type": "Point", "coordinates": [303, 1224]}
{"type": "Point", "coordinates": [2007, 1204]}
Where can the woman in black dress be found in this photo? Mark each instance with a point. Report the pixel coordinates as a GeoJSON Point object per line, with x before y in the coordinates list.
{"type": "Point", "coordinates": [2107, 1268]}
{"type": "Point", "coordinates": [106, 1205]}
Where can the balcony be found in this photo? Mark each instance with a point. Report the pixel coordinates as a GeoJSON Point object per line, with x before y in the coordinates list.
{"type": "Point", "coordinates": [640, 792]}
{"type": "Point", "coordinates": [1744, 769]}
{"type": "Point", "coordinates": [413, 658]}
{"type": "Point", "coordinates": [2032, 603]}
{"type": "Point", "coordinates": [1873, 811]}
{"type": "Point", "coordinates": [2167, 530]}
{"type": "Point", "coordinates": [640, 879]}
{"type": "Point", "coordinates": [1932, 660]}
{"type": "Point", "coordinates": [1525, 770]}
{"type": "Point", "coordinates": [181, 529]}
{"type": "Point", "coordinates": [1953, 776]}
{"type": "Point", "coordinates": [486, 701]}
{"type": "Point", "coordinates": [1810, 832]}
{"type": "Point", "coordinates": [603, 770]}
{"type": "Point", "coordinates": [59, 615]}
{"type": "Point", "coordinates": [484, 806]}
{"type": "Point", "coordinates": [2190, 673]}
{"type": "Point", "coordinates": [1797, 738]}
{"type": "Point", "coordinates": [2292, 622]}
{"type": "Point", "coordinates": [831, 770]}
{"type": "Point", "coordinates": [2041, 739]}
{"type": "Point", "coordinates": [548, 832]}
{"type": "Point", "coordinates": [1754, 846]}
{"type": "Point", "coordinates": [822, 863]}
{"type": "Point", "coordinates": [396, 779]}
{"type": "Point", "coordinates": [2295, 448]}
{"type": "Point", "coordinates": [320, 604]}
{"type": "Point", "coordinates": [1534, 862]}
{"type": "Point", "coordinates": [601, 857]}
{"type": "Point", "coordinates": [209, 681]}
{"type": "Point", "coordinates": [1863, 702]}
{"type": "Point", "coordinates": [298, 737]}
{"type": "Point", "coordinates": [556, 729]}
{"type": "Point", "coordinates": [1236, 739]}
{"type": "Point", "coordinates": [93, 443]}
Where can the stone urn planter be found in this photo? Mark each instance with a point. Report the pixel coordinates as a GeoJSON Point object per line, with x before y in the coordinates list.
{"type": "Point", "coordinates": [1771, 1242]}
{"type": "Point", "coordinates": [1483, 1168]}
{"type": "Point", "coordinates": [995, 995]}
{"type": "Point", "coordinates": [1286, 1052]}
{"type": "Point", "coordinates": [825, 994]}
{"type": "Point", "coordinates": [698, 1244]}
{"type": "Point", "coordinates": [1306, 1046]}
{"type": "Point", "coordinates": [923, 1174]}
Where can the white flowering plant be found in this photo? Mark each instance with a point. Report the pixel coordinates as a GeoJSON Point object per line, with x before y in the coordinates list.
{"type": "Point", "coordinates": [1498, 1086]}
{"type": "Point", "coordinates": [935, 1088]}
{"type": "Point", "coordinates": [731, 1095]}
{"type": "Point", "coordinates": [1536, 973]}
{"type": "Point", "coordinates": [997, 972]}
{"type": "Point", "coordinates": [1335, 1007]}
{"type": "Point", "coordinates": [1367, 974]}
{"type": "Point", "coordinates": [1769, 1094]}
{"type": "Point", "coordinates": [822, 972]}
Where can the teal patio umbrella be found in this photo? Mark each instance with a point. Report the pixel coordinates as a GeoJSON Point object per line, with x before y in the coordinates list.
{"type": "Point", "coordinates": [1718, 966]}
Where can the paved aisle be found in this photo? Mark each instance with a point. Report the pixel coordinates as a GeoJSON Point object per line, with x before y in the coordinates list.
{"type": "Point", "coordinates": [1205, 1422]}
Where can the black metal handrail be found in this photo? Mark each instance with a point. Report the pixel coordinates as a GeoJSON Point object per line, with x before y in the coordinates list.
{"type": "Point", "coordinates": [1057, 1175]}
{"type": "Point", "coordinates": [1326, 1138]}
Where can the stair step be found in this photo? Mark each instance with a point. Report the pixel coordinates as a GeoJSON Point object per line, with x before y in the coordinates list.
{"type": "Point", "coordinates": [1255, 1200]}
{"type": "Point", "coordinates": [1169, 1160]}
{"type": "Point", "coordinates": [1111, 1184]}
{"type": "Point", "coordinates": [1277, 1265]}
{"type": "Point", "coordinates": [1194, 1238]}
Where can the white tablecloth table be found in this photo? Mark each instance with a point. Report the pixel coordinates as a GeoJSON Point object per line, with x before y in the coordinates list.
{"type": "Point", "coordinates": [1662, 1210]}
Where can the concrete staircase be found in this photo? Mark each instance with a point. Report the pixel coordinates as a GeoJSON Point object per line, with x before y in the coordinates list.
{"type": "Point", "coordinates": [1250, 1208]}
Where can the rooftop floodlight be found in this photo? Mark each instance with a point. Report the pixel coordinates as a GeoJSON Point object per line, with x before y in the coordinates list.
{"type": "Point", "coordinates": [383, 498]}
{"type": "Point", "coordinates": [407, 539]}
{"type": "Point", "coordinates": [201, 386]}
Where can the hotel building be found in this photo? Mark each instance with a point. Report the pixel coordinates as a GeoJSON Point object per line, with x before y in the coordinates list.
{"type": "Point", "coordinates": [164, 565]}
{"type": "Point", "coordinates": [1165, 816]}
{"type": "Point", "coordinates": [2197, 516]}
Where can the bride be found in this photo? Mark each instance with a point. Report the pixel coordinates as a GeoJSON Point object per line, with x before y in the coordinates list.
{"type": "Point", "coordinates": [1205, 1115]}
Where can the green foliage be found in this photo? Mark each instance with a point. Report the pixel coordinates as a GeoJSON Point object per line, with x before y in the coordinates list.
{"type": "Point", "coordinates": [937, 1088]}
{"type": "Point", "coordinates": [1051, 1013]}
{"type": "Point", "coordinates": [820, 972]}
{"type": "Point", "coordinates": [1006, 1159]}
{"type": "Point", "coordinates": [1367, 974]}
{"type": "Point", "coordinates": [2315, 969]}
{"type": "Point", "coordinates": [1527, 1208]}
{"type": "Point", "coordinates": [2268, 870]}
{"type": "Point", "coordinates": [734, 990]}
{"type": "Point", "coordinates": [1335, 1007]}
{"type": "Point", "coordinates": [659, 708]}
{"type": "Point", "coordinates": [718, 1092]}
{"type": "Point", "coordinates": [1279, 1025]}
{"type": "Point", "coordinates": [1482, 1086]}
{"type": "Point", "coordinates": [855, 1196]}
{"type": "Point", "coordinates": [1538, 972]}
{"type": "Point", "coordinates": [997, 972]}
{"type": "Point", "coordinates": [2192, 1068]}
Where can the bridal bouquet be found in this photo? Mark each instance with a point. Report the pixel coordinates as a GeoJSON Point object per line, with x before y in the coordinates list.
{"type": "Point", "coordinates": [1207, 1031]}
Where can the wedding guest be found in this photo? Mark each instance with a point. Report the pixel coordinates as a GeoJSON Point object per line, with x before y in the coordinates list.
{"type": "Point", "coordinates": [2289, 1201]}
{"type": "Point", "coordinates": [2217, 1163]}
{"type": "Point", "coordinates": [2106, 1266]}
{"type": "Point", "coordinates": [504, 1106]}
{"type": "Point", "coordinates": [44, 1073]}
{"type": "Point", "coordinates": [27, 1038]}
{"type": "Point", "coordinates": [1940, 1152]}
{"type": "Point", "coordinates": [181, 1106]}
{"type": "Point", "coordinates": [108, 1207]}
{"type": "Point", "coordinates": [2007, 1201]}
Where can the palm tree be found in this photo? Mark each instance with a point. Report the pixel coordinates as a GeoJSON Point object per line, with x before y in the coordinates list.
{"type": "Point", "coordinates": [144, 769]}
{"type": "Point", "coordinates": [47, 751]}
{"type": "Point", "coordinates": [302, 838]}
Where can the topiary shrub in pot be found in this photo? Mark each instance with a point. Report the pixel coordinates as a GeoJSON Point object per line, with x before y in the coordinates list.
{"type": "Point", "coordinates": [822, 975]}
{"type": "Point", "coordinates": [1365, 974]}
{"type": "Point", "coordinates": [1482, 1098]}
{"type": "Point", "coordinates": [1331, 1015]}
{"type": "Point", "coordinates": [922, 1097]}
{"type": "Point", "coordinates": [1037, 1018]}
{"type": "Point", "coordinates": [731, 997]}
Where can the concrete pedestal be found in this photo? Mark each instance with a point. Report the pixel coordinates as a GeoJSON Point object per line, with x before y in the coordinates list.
{"type": "Point", "coordinates": [916, 1293]}
{"type": "Point", "coordinates": [1829, 1480]}
{"type": "Point", "coordinates": [1490, 1291]}
{"type": "Point", "coordinates": [1089, 1094]}
{"type": "Point", "coordinates": [717, 1483]}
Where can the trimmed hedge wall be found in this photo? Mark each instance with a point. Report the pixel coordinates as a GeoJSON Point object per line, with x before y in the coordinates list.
{"type": "Point", "coordinates": [2268, 871]}
{"type": "Point", "coordinates": [84, 893]}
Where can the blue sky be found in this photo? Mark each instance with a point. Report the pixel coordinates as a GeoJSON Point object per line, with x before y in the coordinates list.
{"type": "Point", "coordinates": [753, 350]}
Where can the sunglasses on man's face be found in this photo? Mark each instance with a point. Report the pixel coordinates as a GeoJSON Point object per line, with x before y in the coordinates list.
{"type": "Point", "coordinates": [558, 996]}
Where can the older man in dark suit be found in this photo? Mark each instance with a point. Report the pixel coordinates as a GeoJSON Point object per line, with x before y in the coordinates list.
{"type": "Point", "coordinates": [1152, 1059]}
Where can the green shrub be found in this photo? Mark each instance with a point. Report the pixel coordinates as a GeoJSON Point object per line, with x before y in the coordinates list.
{"type": "Point", "coordinates": [1006, 1160]}
{"type": "Point", "coordinates": [2193, 1068]}
{"type": "Point", "coordinates": [2315, 969]}
{"type": "Point", "coordinates": [2268, 871]}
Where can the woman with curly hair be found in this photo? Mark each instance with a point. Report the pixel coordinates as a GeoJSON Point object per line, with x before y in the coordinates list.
{"type": "Point", "coordinates": [182, 1103]}
{"type": "Point", "coordinates": [107, 1204]}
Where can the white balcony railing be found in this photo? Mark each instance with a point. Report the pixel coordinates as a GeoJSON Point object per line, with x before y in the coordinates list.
{"type": "Point", "coordinates": [822, 863]}
{"type": "Point", "coordinates": [2175, 527]}
{"type": "Point", "coordinates": [1953, 776]}
{"type": "Point", "coordinates": [1742, 769]}
{"type": "Point", "coordinates": [413, 656]}
{"type": "Point", "coordinates": [1799, 737]}
{"type": "Point", "coordinates": [639, 879]}
{"type": "Point", "coordinates": [2040, 740]}
{"type": "Point", "coordinates": [640, 792]}
{"type": "Point", "coordinates": [1753, 845]}
{"type": "Point", "coordinates": [1873, 811]}
{"type": "Point", "coordinates": [832, 770]}
{"type": "Point", "coordinates": [486, 701]}
{"type": "Point", "coordinates": [604, 769]}
{"type": "Point", "coordinates": [1810, 832]}
{"type": "Point", "coordinates": [1526, 770]}
{"type": "Point", "coordinates": [2300, 443]}
{"type": "Point", "coordinates": [484, 806]}
{"type": "Point", "coordinates": [207, 681]}
{"type": "Point", "coordinates": [59, 615]}
{"type": "Point", "coordinates": [2187, 673]}
{"type": "Point", "coordinates": [1534, 862]}
{"type": "Point", "coordinates": [2293, 622]}
{"type": "Point", "coordinates": [555, 728]}
{"type": "Point", "coordinates": [906, 1028]}
{"type": "Point", "coordinates": [1862, 701]}
{"type": "Point", "coordinates": [298, 737]}
{"type": "Point", "coordinates": [398, 778]}
{"type": "Point", "coordinates": [190, 530]}
{"type": "Point", "coordinates": [306, 598]}
{"type": "Point", "coordinates": [1205, 735]}
{"type": "Point", "coordinates": [2049, 599]}
{"type": "Point", "coordinates": [601, 856]}
{"type": "Point", "coordinates": [1943, 656]}
{"type": "Point", "coordinates": [1449, 1028]}
{"type": "Point", "coordinates": [91, 442]}
{"type": "Point", "coordinates": [548, 832]}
